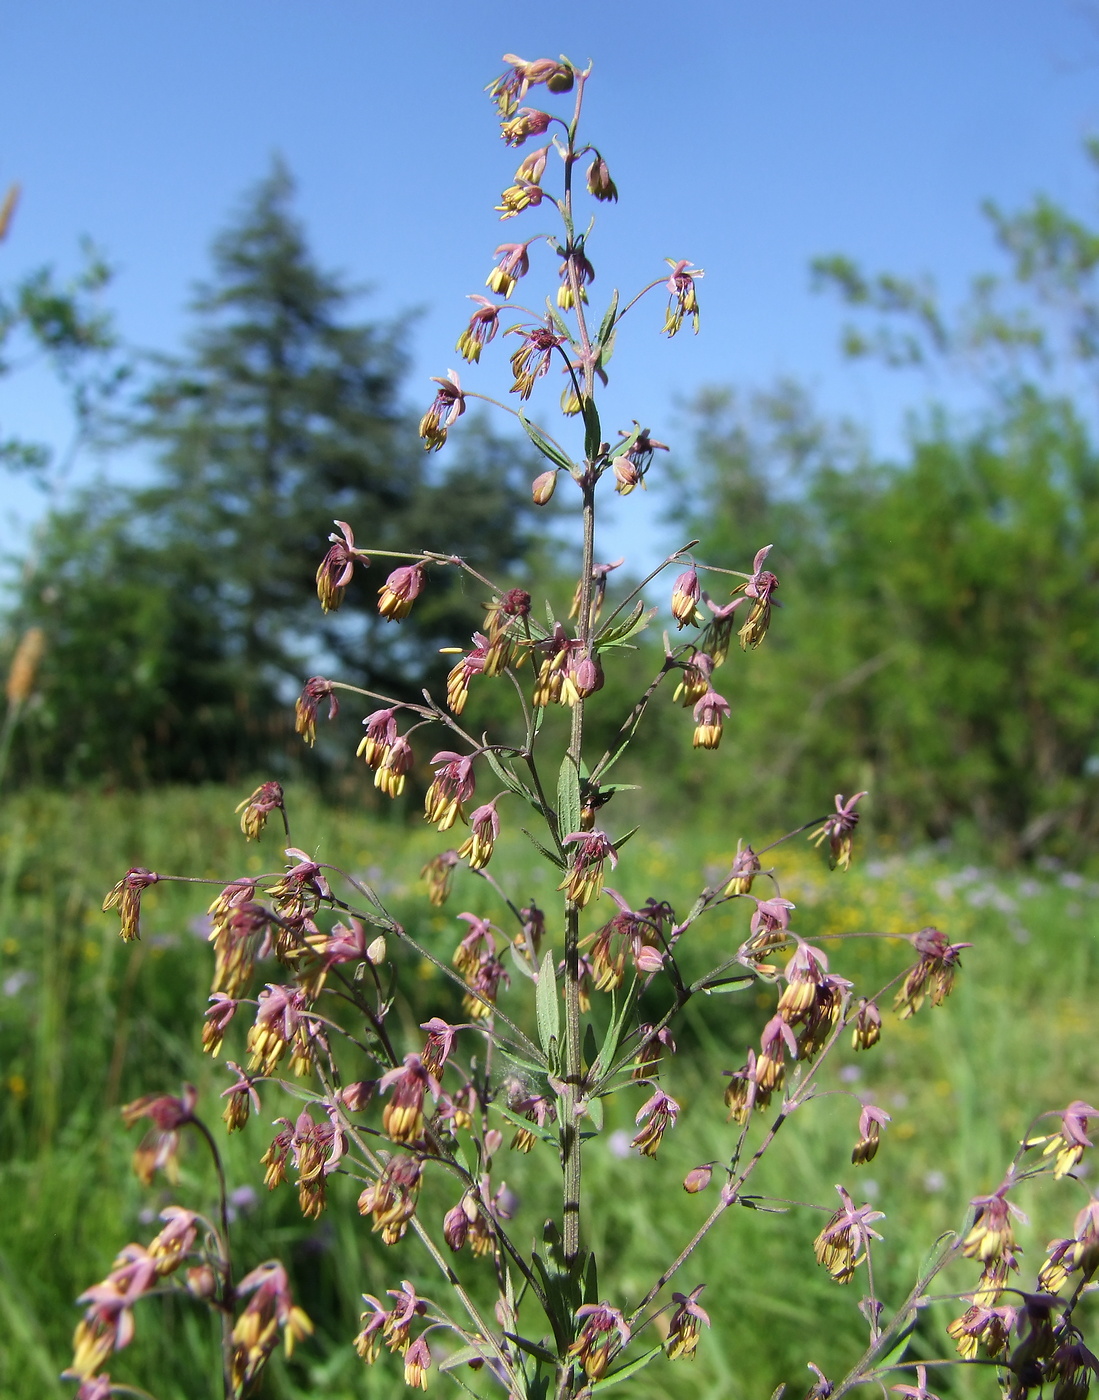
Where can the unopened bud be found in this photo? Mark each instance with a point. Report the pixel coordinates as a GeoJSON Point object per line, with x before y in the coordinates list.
{"type": "Point", "coordinates": [543, 487]}
{"type": "Point", "coordinates": [697, 1180]}
{"type": "Point", "coordinates": [201, 1282]}
{"type": "Point", "coordinates": [375, 953]}
{"type": "Point", "coordinates": [561, 79]}
{"type": "Point", "coordinates": [493, 1140]}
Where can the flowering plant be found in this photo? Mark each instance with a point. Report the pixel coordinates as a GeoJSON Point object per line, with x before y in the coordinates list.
{"type": "Point", "coordinates": [556, 1014]}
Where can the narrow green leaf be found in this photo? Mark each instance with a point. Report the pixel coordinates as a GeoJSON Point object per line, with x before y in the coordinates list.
{"type": "Point", "coordinates": [549, 855]}
{"type": "Point", "coordinates": [543, 444]}
{"type": "Point", "coordinates": [627, 1371]}
{"type": "Point", "coordinates": [593, 433]}
{"type": "Point", "coordinates": [594, 1110]}
{"type": "Point", "coordinates": [545, 1003]}
{"type": "Point", "coordinates": [607, 323]}
{"type": "Point", "coordinates": [568, 798]}
{"type": "Point", "coordinates": [532, 1348]}
{"type": "Point", "coordinates": [626, 443]}
{"type": "Point", "coordinates": [464, 1356]}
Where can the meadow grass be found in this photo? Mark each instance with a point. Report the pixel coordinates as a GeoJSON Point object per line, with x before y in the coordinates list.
{"type": "Point", "coordinates": [87, 1023]}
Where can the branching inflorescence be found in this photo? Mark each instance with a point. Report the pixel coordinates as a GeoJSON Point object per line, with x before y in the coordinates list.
{"type": "Point", "coordinates": [522, 1067]}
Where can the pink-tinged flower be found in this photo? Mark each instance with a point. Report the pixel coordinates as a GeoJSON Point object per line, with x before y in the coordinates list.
{"type": "Point", "coordinates": [108, 1321]}
{"type": "Point", "coordinates": [482, 328]}
{"type": "Point", "coordinates": [627, 934]}
{"type": "Point", "coordinates": [1073, 1366]}
{"type": "Point", "coordinates": [584, 878]}
{"type": "Point", "coordinates": [934, 972]}
{"type": "Point", "coordinates": [686, 593]}
{"type": "Point", "coordinates": [743, 1092]}
{"type": "Point", "coordinates": [632, 466]}
{"type": "Point", "coordinates": [760, 588]}
{"type": "Point", "coordinates": [457, 1221]}
{"type": "Point", "coordinates": [484, 826]}
{"type": "Point", "coordinates": [839, 828]}
{"type": "Point", "coordinates": [697, 1179]}
{"type": "Point", "coordinates": [280, 1018]}
{"type": "Point", "coordinates": [509, 89]}
{"type": "Point", "coordinates": [483, 981]}
{"type": "Point", "coordinates": [519, 196]}
{"type": "Point", "coordinates": [871, 1121]}
{"type": "Point", "coordinates": [172, 1244]}
{"type": "Point", "coordinates": [709, 715]}
{"type": "Point", "coordinates": [770, 921]}
{"type": "Point", "coordinates": [400, 591]}
{"type": "Point", "coordinates": [215, 1021]}
{"type": "Point", "coordinates": [804, 973]}
{"type": "Point", "coordinates": [305, 709]}
{"type": "Point", "coordinates": [867, 1030]}
{"type": "Point", "coordinates": [270, 1309]}
{"type": "Point", "coordinates": [94, 1388]}
{"type": "Point", "coordinates": [599, 575]}
{"type": "Point", "coordinates": [686, 1324]}
{"type": "Point", "coordinates": [381, 731]}
{"type": "Point", "coordinates": [126, 898]}
{"type": "Point", "coordinates": [535, 1110]}
{"type": "Point", "coordinates": [651, 1046]}
{"type": "Point", "coordinates": [745, 867]}
{"type": "Point", "coordinates": [318, 1149]}
{"type": "Point", "coordinates": [514, 262]}
{"type": "Point", "coordinates": [777, 1039]}
{"type": "Point", "coordinates": [919, 1391]}
{"type": "Point", "coordinates": [532, 359]}
{"type": "Point", "coordinates": [438, 876]}
{"type": "Point", "coordinates": [982, 1324]}
{"type": "Point", "coordinates": [440, 1042]}
{"type": "Point", "coordinates": [392, 771]}
{"type": "Point", "coordinates": [159, 1149]}
{"type": "Point", "coordinates": [585, 275]}
{"type": "Point", "coordinates": [338, 566]}
{"type": "Point", "coordinates": [682, 300]}
{"type": "Point", "coordinates": [403, 1117]}
{"type": "Point", "coordinates": [841, 1246]}
{"type": "Point", "coordinates": [528, 121]}
{"type": "Point", "coordinates": [446, 408]}
{"type": "Point", "coordinates": [391, 1200]}
{"type": "Point", "coordinates": [238, 931]}
{"type": "Point", "coordinates": [697, 671]}
{"type": "Point", "coordinates": [1069, 1143]}
{"type": "Point", "coordinates": [417, 1360]}
{"type": "Point", "coordinates": [302, 887]}
{"type": "Point", "coordinates": [452, 786]}
{"type": "Point", "coordinates": [600, 184]}
{"type": "Point", "coordinates": [658, 1114]}
{"type": "Point", "coordinates": [543, 487]}
{"type": "Point", "coordinates": [242, 1096]}
{"type": "Point", "coordinates": [992, 1236]}
{"type": "Point", "coordinates": [255, 810]}
{"type": "Point", "coordinates": [462, 672]}
{"type": "Point", "coordinates": [604, 1332]}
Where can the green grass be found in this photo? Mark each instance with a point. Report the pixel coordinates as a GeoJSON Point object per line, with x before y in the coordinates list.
{"type": "Point", "coordinates": [87, 1023]}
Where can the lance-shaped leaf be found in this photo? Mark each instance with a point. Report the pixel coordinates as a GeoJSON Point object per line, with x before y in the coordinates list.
{"type": "Point", "coordinates": [544, 445]}
{"type": "Point", "coordinates": [545, 1003]}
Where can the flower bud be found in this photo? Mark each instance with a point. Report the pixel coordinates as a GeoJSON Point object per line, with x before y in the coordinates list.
{"type": "Point", "coordinates": [697, 1180]}
{"type": "Point", "coordinates": [375, 953]}
{"type": "Point", "coordinates": [543, 487]}
{"type": "Point", "coordinates": [201, 1282]}
{"type": "Point", "coordinates": [561, 79]}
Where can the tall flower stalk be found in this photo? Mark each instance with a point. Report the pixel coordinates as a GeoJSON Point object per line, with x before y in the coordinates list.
{"type": "Point", "coordinates": [552, 1021]}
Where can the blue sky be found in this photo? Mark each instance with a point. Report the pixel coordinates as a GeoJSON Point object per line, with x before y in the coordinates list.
{"type": "Point", "coordinates": [748, 137]}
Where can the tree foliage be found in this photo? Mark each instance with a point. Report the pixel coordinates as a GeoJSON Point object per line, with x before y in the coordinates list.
{"type": "Point", "coordinates": [954, 669]}
{"type": "Point", "coordinates": [177, 611]}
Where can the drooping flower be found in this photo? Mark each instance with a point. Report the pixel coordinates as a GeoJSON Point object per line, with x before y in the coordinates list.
{"type": "Point", "coordinates": [483, 325]}
{"type": "Point", "coordinates": [452, 786]}
{"type": "Point", "coordinates": [159, 1149]}
{"type": "Point", "coordinates": [514, 262]}
{"type": "Point", "coordinates": [484, 827]}
{"type": "Point", "coordinates": [438, 876]}
{"type": "Point", "coordinates": [315, 690]}
{"type": "Point", "coordinates": [1070, 1141]}
{"type": "Point", "coordinates": [658, 1114]}
{"type": "Point", "coordinates": [532, 359]}
{"type": "Point", "coordinates": [338, 566]}
{"type": "Point", "coordinates": [126, 898]}
{"type": "Point", "coordinates": [600, 184]}
{"type": "Point", "coordinates": [871, 1122]}
{"type": "Point", "coordinates": [710, 714]}
{"type": "Point", "coordinates": [400, 591]}
{"type": "Point", "coordinates": [841, 1246]}
{"type": "Point", "coordinates": [584, 877]}
{"type": "Point", "coordinates": [682, 300]}
{"type": "Point", "coordinates": [269, 1310]}
{"type": "Point", "coordinates": [446, 408]}
{"type": "Point", "coordinates": [839, 828]}
{"type": "Point", "coordinates": [528, 121]}
{"type": "Point", "coordinates": [685, 1326]}
{"type": "Point", "coordinates": [604, 1332]}
{"type": "Point", "coordinates": [255, 810]}
{"type": "Point", "coordinates": [403, 1117]}
{"type": "Point", "coordinates": [934, 972]}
